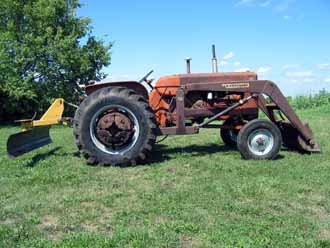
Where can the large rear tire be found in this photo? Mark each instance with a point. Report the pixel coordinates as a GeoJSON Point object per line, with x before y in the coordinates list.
{"type": "Point", "coordinates": [259, 140]}
{"type": "Point", "coordinates": [115, 126]}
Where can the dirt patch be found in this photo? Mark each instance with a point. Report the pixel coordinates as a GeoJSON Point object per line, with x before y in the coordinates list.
{"type": "Point", "coordinates": [49, 227]}
{"type": "Point", "coordinates": [168, 184]}
{"type": "Point", "coordinates": [100, 223]}
{"type": "Point", "coordinates": [324, 234]}
{"type": "Point", "coordinates": [49, 221]}
{"type": "Point", "coordinates": [106, 214]}
{"type": "Point", "coordinates": [313, 211]}
{"type": "Point", "coordinates": [172, 170]}
{"type": "Point", "coordinates": [319, 212]}
{"type": "Point", "coordinates": [88, 204]}
{"type": "Point", "coordinates": [8, 222]}
{"type": "Point", "coordinates": [89, 227]}
{"type": "Point", "coordinates": [186, 242]}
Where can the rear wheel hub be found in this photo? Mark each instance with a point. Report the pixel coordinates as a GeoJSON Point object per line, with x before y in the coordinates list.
{"type": "Point", "coordinates": [114, 129]}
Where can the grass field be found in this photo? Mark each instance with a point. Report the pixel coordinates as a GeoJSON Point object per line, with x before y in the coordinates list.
{"type": "Point", "coordinates": [195, 193]}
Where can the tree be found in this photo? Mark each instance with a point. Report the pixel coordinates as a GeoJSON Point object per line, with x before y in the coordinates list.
{"type": "Point", "coordinates": [46, 50]}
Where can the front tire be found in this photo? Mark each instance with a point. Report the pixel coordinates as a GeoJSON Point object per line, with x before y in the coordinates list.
{"type": "Point", "coordinates": [115, 126]}
{"type": "Point", "coordinates": [259, 140]}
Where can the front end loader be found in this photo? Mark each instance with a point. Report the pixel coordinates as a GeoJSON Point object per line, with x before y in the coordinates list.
{"type": "Point", "coordinates": [118, 122]}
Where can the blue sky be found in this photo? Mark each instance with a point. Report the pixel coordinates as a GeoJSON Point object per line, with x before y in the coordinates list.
{"type": "Point", "coordinates": [287, 41]}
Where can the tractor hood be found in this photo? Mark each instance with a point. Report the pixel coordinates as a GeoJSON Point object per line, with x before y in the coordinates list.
{"type": "Point", "coordinates": [182, 79]}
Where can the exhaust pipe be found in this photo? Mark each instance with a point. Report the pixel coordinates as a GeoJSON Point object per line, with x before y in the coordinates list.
{"type": "Point", "coordinates": [214, 60]}
{"type": "Point", "coordinates": [188, 63]}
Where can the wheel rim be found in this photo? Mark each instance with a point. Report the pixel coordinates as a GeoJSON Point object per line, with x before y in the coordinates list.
{"type": "Point", "coordinates": [261, 142]}
{"type": "Point", "coordinates": [114, 129]}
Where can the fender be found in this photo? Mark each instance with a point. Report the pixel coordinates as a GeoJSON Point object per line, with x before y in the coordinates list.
{"type": "Point", "coordinates": [137, 87]}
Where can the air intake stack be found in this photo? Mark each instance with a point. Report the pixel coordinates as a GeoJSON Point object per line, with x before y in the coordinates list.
{"type": "Point", "coordinates": [188, 64]}
{"type": "Point", "coordinates": [214, 60]}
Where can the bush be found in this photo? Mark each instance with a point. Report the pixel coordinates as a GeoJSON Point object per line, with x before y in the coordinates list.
{"type": "Point", "coordinates": [311, 101]}
{"type": "Point", "coordinates": [46, 50]}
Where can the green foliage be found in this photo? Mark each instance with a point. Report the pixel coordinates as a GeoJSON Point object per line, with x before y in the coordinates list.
{"type": "Point", "coordinates": [45, 51]}
{"type": "Point", "coordinates": [311, 101]}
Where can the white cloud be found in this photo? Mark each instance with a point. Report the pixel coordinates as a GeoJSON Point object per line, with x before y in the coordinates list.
{"type": "Point", "coordinates": [245, 3]}
{"type": "Point", "coordinates": [290, 66]}
{"type": "Point", "coordinates": [243, 69]}
{"type": "Point", "coordinates": [323, 66]}
{"type": "Point", "coordinates": [252, 3]}
{"type": "Point", "coordinates": [308, 80]}
{"type": "Point", "coordinates": [223, 63]}
{"type": "Point", "coordinates": [299, 74]}
{"type": "Point", "coordinates": [327, 80]}
{"type": "Point", "coordinates": [264, 70]}
{"type": "Point", "coordinates": [229, 55]}
{"type": "Point", "coordinates": [265, 3]}
{"type": "Point", "coordinates": [284, 5]}
{"type": "Point", "coordinates": [237, 64]}
{"type": "Point", "coordinates": [277, 5]}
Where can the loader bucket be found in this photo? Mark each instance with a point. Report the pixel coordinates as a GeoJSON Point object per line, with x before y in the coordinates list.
{"type": "Point", "coordinates": [294, 141]}
{"type": "Point", "coordinates": [24, 142]}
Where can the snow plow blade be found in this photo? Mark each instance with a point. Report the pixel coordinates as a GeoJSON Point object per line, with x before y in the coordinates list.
{"type": "Point", "coordinates": [35, 133]}
{"type": "Point", "coordinates": [24, 142]}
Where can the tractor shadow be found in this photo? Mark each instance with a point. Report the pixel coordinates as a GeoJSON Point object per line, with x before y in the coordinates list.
{"type": "Point", "coordinates": [162, 153]}
{"type": "Point", "coordinates": [46, 155]}
{"type": "Point", "coordinates": [41, 156]}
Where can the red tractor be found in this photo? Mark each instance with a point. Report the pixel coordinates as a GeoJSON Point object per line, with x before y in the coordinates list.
{"type": "Point", "coordinates": [118, 122]}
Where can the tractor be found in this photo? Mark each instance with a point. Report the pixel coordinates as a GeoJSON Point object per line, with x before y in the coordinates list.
{"type": "Point", "coordinates": [117, 123]}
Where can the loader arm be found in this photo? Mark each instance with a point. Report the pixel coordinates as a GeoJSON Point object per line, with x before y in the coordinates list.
{"type": "Point", "coordinates": [306, 137]}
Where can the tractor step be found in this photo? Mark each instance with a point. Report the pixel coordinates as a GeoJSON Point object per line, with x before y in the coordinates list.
{"type": "Point", "coordinates": [24, 142]}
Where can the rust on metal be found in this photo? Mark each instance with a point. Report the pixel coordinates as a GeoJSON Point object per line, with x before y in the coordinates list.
{"type": "Point", "coordinates": [137, 87]}
{"type": "Point", "coordinates": [114, 129]}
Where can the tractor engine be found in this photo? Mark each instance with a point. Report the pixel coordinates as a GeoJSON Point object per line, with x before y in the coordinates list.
{"type": "Point", "coordinates": [201, 104]}
{"type": "Point", "coordinates": [209, 100]}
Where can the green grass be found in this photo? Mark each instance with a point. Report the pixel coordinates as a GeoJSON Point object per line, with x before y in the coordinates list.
{"type": "Point", "coordinates": [196, 193]}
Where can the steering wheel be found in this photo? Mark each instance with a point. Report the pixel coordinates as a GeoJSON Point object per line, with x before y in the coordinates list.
{"type": "Point", "coordinates": [145, 79]}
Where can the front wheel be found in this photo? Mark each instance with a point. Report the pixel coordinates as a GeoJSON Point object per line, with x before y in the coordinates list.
{"type": "Point", "coordinates": [259, 140]}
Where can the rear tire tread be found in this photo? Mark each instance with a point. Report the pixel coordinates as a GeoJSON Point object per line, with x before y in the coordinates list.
{"type": "Point", "coordinates": [131, 95]}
